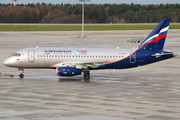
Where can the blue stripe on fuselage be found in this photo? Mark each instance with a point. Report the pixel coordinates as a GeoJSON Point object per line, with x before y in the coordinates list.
{"type": "Point", "coordinates": [143, 57]}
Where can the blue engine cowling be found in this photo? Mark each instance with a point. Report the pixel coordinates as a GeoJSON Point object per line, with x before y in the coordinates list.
{"type": "Point", "coordinates": [68, 71]}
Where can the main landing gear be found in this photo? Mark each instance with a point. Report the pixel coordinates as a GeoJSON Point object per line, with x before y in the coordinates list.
{"type": "Point", "coordinates": [21, 75]}
{"type": "Point", "coordinates": [86, 75]}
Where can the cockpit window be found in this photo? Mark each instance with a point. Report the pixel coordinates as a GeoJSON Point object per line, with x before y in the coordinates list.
{"type": "Point", "coordinates": [16, 54]}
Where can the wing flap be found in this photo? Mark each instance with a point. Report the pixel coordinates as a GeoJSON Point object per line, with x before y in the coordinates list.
{"type": "Point", "coordinates": [80, 65]}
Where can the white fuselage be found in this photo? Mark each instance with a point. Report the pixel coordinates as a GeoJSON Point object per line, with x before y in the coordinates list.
{"type": "Point", "coordinates": [57, 57]}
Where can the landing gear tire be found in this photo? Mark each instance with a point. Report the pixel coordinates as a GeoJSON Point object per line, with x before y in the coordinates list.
{"type": "Point", "coordinates": [21, 75]}
{"type": "Point", "coordinates": [86, 76]}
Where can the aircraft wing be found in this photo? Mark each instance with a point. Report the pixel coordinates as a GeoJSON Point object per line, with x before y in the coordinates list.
{"type": "Point", "coordinates": [80, 65]}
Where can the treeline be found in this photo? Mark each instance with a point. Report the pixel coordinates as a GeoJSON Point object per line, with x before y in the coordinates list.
{"type": "Point", "coordinates": [106, 13]}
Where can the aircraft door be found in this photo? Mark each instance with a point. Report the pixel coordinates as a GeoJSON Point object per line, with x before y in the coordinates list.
{"type": "Point", "coordinates": [31, 56]}
{"type": "Point", "coordinates": [132, 58]}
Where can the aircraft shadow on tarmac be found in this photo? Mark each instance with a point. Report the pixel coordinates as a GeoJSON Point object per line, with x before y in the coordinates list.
{"type": "Point", "coordinates": [72, 79]}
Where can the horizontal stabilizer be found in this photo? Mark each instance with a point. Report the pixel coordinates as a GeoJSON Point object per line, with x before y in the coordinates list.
{"type": "Point", "coordinates": [161, 54]}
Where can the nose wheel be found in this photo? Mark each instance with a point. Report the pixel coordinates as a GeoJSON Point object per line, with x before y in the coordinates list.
{"type": "Point", "coordinates": [21, 73]}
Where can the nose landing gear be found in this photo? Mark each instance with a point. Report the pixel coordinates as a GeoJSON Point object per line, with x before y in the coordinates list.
{"type": "Point", "coordinates": [21, 75]}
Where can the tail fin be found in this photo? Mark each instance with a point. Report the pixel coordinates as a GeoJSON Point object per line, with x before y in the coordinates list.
{"type": "Point", "coordinates": [156, 39]}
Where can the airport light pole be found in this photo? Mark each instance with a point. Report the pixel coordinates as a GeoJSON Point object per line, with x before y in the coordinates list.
{"type": "Point", "coordinates": [83, 15]}
{"type": "Point", "coordinates": [14, 1]}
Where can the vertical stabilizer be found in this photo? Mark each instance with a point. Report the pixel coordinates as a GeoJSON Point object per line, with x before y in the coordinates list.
{"type": "Point", "coordinates": [156, 39]}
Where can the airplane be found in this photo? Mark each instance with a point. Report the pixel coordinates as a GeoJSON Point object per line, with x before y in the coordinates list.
{"type": "Point", "coordinates": [71, 62]}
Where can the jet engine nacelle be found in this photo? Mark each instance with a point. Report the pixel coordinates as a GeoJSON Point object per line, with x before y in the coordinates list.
{"type": "Point", "coordinates": [68, 71]}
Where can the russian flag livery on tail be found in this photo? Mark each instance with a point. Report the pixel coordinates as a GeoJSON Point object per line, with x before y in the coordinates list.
{"type": "Point", "coordinates": [149, 51]}
{"type": "Point", "coordinates": [156, 39]}
{"type": "Point", "coordinates": [74, 61]}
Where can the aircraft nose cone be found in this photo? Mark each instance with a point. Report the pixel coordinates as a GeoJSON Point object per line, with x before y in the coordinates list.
{"type": "Point", "coordinates": [6, 63]}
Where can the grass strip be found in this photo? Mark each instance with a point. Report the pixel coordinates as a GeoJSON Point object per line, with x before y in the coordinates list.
{"type": "Point", "coordinates": [79, 28]}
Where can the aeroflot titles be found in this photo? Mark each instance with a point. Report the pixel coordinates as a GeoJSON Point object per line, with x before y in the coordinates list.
{"type": "Point", "coordinates": [78, 52]}
{"type": "Point", "coordinates": [57, 51]}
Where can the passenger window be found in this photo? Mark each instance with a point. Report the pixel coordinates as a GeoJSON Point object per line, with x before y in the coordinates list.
{"type": "Point", "coordinates": [49, 55]}
{"type": "Point", "coordinates": [87, 56]}
{"type": "Point", "coordinates": [70, 56]}
{"type": "Point", "coordinates": [52, 55]}
{"type": "Point", "coordinates": [38, 55]}
{"type": "Point", "coordinates": [41, 55]}
{"type": "Point", "coordinates": [58, 55]}
{"type": "Point", "coordinates": [61, 55]}
{"type": "Point", "coordinates": [55, 55]}
{"type": "Point", "coordinates": [46, 55]}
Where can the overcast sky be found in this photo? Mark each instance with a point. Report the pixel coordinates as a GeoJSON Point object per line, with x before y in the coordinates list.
{"type": "Point", "coordinates": [95, 1]}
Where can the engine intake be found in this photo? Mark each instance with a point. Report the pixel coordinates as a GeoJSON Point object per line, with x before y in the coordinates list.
{"type": "Point", "coordinates": [68, 71]}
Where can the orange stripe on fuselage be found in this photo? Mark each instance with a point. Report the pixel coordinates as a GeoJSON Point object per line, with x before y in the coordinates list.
{"type": "Point", "coordinates": [152, 41]}
{"type": "Point", "coordinates": [120, 60]}
{"type": "Point", "coordinates": [57, 70]}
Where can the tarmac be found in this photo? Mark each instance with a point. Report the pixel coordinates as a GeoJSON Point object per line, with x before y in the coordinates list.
{"type": "Point", "coordinates": [150, 92]}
